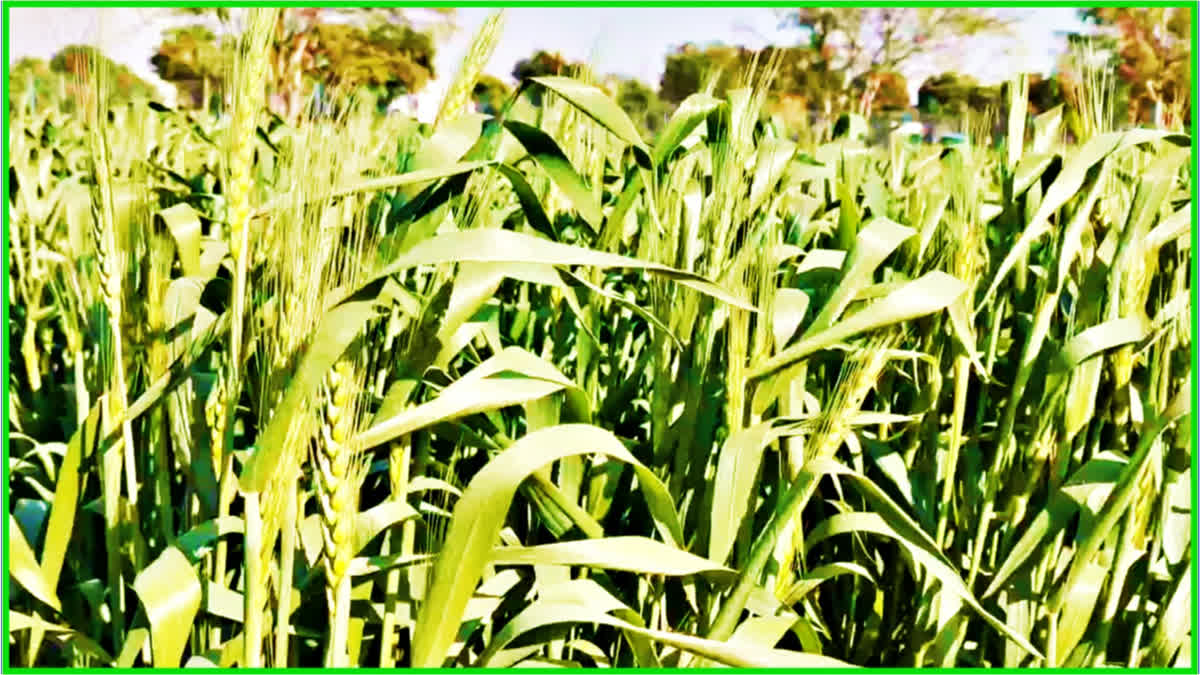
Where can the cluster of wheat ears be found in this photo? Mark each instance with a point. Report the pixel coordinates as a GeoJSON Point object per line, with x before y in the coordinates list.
{"type": "Point", "coordinates": [532, 389]}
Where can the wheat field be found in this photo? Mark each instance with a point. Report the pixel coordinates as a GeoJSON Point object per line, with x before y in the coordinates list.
{"type": "Point", "coordinates": [533, 390]}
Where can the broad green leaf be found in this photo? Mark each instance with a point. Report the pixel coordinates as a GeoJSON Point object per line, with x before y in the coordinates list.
{"type": "Point", "coordinates": [170, 592]}
{"type": "Point", "coordinates": [1029, 170]}
{"type": "Point", "coordinates": [479, 516]}
{"type": "Point", "coordinates": [627, 554]}
{"type": "Point", "coordinates": [822, 259]}
{"type": "Point", "coordinates": [931, 293]}
{"type": "Point", "coordinates": [184, 225]}
{"type": "Point", "coordinates": [1175, 529]}
{"type": "Point", "coordinates": [66, 498]}
{"type": "Point", "coordinates": [1172, 632]}
{"type": "Point", "coordinates": [554, 162]}
{"type": "Point", "coordinates": [861, 523]}
{"type": "Point", "coordinates": [814, 577]}
{"type": "Point", "coordinates": [1098, 339]}
{"type": "Point", "coordinates": [596, 104]}
{"type": "Point", "coordinates": [1080, 604]}
{"type": "Point", "coordinates": [874, 243]}
{"type": "Point", "coordinates": [1173, 227]}
{"type": "Point", "coordinates": [448, 144]}
{"type": "Point", "coordinates": [1099, 472]}
{"type": "Point", "coordinates": [23, 566]}
{"type": "Point", "coordinates": [530, 204]}
{"type": "Point", "coordinates": [691, 112]}
{"type": "Point", "coordinates": [791, 304]}
{"type": "Point", "coordinates": [368, 524]}
{"type": "Point", "coordinates": [774, 156]}
{"type": "Point", "coordinates": [512, 377]}
{"type": "Point", "coordinates": [494, 245]}
{"type": "Point", "coordinates": [1045, 128]}
{"type": "Point", "coordinates": [741, 654]}
{"type": "Point", "coordinates": [474, 285]}
{"type": "Point", "coordinates": [738, 463]}
{"type": "Point", "coordinates": [134, 641]}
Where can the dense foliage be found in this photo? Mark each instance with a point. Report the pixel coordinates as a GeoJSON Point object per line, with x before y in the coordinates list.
{"type": "Point", "coordinates": [524, 388]}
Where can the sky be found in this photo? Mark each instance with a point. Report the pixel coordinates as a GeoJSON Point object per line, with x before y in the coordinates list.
{"type": "Point", "coordinates": [624, 41]}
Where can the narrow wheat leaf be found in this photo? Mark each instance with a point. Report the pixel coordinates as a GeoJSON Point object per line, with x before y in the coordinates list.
{"type": "Point", "coordinates": [61, 523]}
{"type": "Point", "coordinates": [791, 304]}
{"type": "Point", "coordinates": [1098, 473]}
{"type": "Point", "coordinates": [814, 577]}
{"type": "Point", "coordinates": [196, 541]}
{"type": "Point", "coordinates": [170, 592]}
{"type": "Point", "coordinates": [1097, 339]}
{"type": "Point", "coordinates": [1030, 169]}
{"type": "Point", "coordinates": [741, 654]}
{"type": "Point", "coordinates": [134, 641]}
{"type": "Point", "coordinates": [474, 285]}
{"type": "Point", "coordinates": [628, 554]}
{"type": "Point", "coordinates": [530, 204]}
{"type": "Point", "coordinates": [184, 225]}
{"type": "Point", "coordinates": [861, 522]}
{"type": "Point", "coordinates": [874, 243]}
{"type": "Point", "coordinates": [1080, 604]}
{"type": "Point", "coordinates": [1123, 493]}
{"type": "Point", "coordinates": [1173, 227]}
{"type": "Point", "coordinates": [1171, 634]}
{"type": "Point", "coordinates": [510, 378]}
{"type": "Point", "coordinates": [385, 183]}
{"type": "Point", "coordinates": [1068, 183]}
{"type": "Point", "coordinates": [368, 524]}
{"type": "Point", "coordinates": [479, 516]}
{"type": "Point", "coordinates": [596, 104]}
{"type": "Point", "coordinates": [18, 622]}
{"type": "Point", "coordinates": [691, 112]}
{"type": "Point", "coordinates": [23, 566]}
{"type": "Point", "coordinates": [738, 464]}
{"type": "Point", "coordinates": [545, 151]}
{"type": "Point", "coordinates": [931, 293]}
{"type": "Point", "coordinates": [495, 245]}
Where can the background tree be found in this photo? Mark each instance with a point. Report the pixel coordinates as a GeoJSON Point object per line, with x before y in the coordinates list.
{"type": "Point", "coordinates": [315, 49]}
{"type": "Point", "coordinates": [1044, 93]}
{"type": "Point", "coordinates": [861, 40]}
{"type": "Point", "coordinates": [805, 72]}
{"type": "Point", "coordinates": [948, 93]}
{"type": "Point", "coordinates": [1154, 49]}
{"type": "Point", "coordinates": [489, 94]}
{"type": "Point", "coordinates": [32, 84]}
{"type": "Point", "coordinates": [881, 91]}
{"type": "Point", "coordinates": [193, 60]}
{"type": "Point", "coordinates": [642, 104]}
{"type": "Point", "coordinates": [690, 67]}
{"type": "Point", "coordinates": [76, 64]}
{"type": "Point", "coordinates": [541, 64]}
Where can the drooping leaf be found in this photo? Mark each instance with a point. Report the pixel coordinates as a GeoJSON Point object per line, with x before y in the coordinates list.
{"type": "Point", "coordinates": [170, 592]}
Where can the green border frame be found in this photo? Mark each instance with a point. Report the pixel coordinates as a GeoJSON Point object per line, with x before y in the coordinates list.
{"type": "Point", "coordinates": [549, 4]}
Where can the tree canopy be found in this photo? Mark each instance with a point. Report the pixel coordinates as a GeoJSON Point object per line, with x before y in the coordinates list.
{"type": "Point", "coordinates": [859, 40]}
{"type": "Point", "coordinates": [1154, 50]}
{"type": "Point", "coordinates": [335, 49]}
{"type": "Point", "coordinates": [68, 74]}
